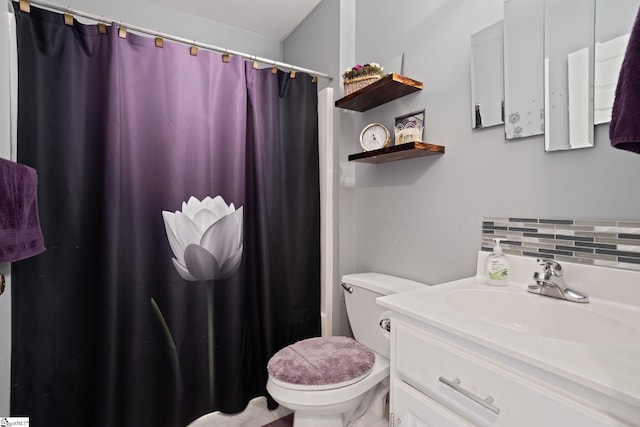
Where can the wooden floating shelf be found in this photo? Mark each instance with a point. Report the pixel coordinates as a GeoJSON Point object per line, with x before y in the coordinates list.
{"type": "Point", "coordinates": [390, 87]}
{"type": "Point", "coordinates": [397, 152]}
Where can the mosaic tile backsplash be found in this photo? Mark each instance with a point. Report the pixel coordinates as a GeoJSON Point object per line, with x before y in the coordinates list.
{"type": "Point", "coordinates": [603, 243]}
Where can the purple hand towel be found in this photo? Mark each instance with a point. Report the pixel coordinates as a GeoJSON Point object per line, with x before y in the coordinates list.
{"type": "Point", "coordinates": [624, 130]}
{"type": "Point", "coordinates": [20, 234]}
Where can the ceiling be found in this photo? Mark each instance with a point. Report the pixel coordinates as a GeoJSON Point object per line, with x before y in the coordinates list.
{"type": "Point", "coordinates": [274, 18]}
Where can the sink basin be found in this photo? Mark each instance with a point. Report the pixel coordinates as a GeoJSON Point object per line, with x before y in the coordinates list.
{"type": "Point", "coordinates": [543, 316]}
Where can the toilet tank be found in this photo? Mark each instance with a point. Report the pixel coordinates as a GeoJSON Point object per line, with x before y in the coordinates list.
{"type": "Point", "coordinates": [363, 311]}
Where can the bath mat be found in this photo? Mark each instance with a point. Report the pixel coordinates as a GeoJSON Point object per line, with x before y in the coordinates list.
{"type": "Point", "coordinates": [286, 421]}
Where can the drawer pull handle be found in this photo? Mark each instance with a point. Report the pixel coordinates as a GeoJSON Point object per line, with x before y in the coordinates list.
{"type": "Point", "coordinates": [486, 403]}
{"type": "Point", "coordinates": [392, 420]}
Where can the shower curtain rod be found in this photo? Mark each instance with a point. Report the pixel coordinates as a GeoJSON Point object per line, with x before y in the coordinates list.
{"type": "Point", "coordinates": [182, 40]}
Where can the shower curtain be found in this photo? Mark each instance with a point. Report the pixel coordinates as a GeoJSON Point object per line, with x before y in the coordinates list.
{"type": "Point", "coordinates": [179, 201]}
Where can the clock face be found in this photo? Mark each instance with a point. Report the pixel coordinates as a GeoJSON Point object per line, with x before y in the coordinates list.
{"type": "Point", "coordinates": [374, 136]}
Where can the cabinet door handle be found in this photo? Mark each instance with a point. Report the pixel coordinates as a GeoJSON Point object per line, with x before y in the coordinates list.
{"type": "Point", "coordinates": [486, 403]}
{"type": "Point", "coordinates": [392, 420]}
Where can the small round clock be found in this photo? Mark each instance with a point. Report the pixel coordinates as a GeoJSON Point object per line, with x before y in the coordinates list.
{"type": "Point", "coordinates": [374, 136]}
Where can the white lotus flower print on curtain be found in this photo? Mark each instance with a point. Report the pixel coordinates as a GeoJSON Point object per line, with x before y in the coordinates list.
{"type": "Point", "coordinates": [206, 238]}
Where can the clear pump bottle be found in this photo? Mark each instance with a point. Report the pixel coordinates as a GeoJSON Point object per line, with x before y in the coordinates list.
{"type": "Point", "coordinates": [497, 267]}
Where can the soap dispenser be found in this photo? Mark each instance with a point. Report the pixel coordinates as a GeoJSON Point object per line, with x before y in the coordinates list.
{"type": "Point", "coordinates": [497, 267]}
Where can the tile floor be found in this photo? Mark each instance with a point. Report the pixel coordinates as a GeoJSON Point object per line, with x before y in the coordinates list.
{"type": "Point", "coordinates": [255, 415]}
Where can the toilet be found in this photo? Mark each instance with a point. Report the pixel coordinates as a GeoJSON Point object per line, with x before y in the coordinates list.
{"type": "Point", "coordinates": [335, 381]}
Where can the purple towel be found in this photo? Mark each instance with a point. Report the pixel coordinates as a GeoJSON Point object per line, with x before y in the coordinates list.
{"type": "Point", "coordinates": [624, 129]}
{"type": "Point", "coordinates": [20, 234]}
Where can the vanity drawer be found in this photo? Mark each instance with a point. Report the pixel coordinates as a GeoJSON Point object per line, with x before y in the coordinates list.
{"type": "Point", "coordinates": [478, 389]}
{"type": "Point", "coordinates": [410, 408]}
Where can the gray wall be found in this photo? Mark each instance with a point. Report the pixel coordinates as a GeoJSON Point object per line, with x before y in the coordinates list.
{"type": "Point", "coordinates": [421, 218]}
{"type": "Point", "coordinates": [156, 17]}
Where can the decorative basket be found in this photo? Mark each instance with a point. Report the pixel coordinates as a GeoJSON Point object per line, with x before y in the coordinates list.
{"type": "Point", "coordinates": [358, 83]}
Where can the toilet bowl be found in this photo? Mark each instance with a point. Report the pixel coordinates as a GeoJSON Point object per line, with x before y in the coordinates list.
{"type": "Point", "coordinates": [328, 407]}
{"type": "Point", "coordinates": [322, 386]}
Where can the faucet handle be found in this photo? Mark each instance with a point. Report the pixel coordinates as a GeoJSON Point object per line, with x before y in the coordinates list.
{"type": "Point", "coordinates": [551, 267]}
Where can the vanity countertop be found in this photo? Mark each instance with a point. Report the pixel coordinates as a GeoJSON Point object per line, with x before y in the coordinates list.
{"type": "Point", "coordinates": [608, 363]}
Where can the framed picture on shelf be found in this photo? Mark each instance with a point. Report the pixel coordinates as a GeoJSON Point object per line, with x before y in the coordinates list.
{"type": "Point", "coordinates": [409, 128]}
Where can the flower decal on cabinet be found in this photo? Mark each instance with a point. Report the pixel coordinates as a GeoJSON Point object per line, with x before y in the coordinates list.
{"type": "Point", "coordinates": [206, 238]}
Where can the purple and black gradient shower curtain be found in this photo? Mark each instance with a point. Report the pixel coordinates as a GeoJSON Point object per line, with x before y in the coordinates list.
{"type": "Point", "coordinates": [126, 320]}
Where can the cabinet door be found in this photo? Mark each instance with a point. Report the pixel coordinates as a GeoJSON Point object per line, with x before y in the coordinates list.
{"type": "Point", "coordinates": [410, 408]}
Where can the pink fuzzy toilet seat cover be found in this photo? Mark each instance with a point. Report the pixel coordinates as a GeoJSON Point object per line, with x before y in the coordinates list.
{"type": "Point", "coordinates": [321, 361]}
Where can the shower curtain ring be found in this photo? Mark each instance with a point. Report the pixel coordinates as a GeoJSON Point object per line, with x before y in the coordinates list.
{"type": "Point", "coordinates": [122, 31]}
{"type": "Point", "coordinates": [274, 69]}
{"type": "Point", "coordinates": [25, 6]}
{"type": "Point", "coordinates": [102, 27]}
{"type": "Point", "coordinates": [159, 42]}
{"type": "Point", "coordinates": [225, 57]}
{"type": "Point", "coordinates": [68, 18]}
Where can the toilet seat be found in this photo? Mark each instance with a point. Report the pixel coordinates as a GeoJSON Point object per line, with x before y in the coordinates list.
{"type": "Point", "coordinates": [287, 395]}
{"type": "Point", "coordinates": [302, 387]}
{"type": "Point", "coordinates": [321, 363]}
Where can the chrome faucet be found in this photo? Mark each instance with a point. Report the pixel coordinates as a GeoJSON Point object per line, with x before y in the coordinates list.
{"type": "Point", "coordinates": [550, 283]}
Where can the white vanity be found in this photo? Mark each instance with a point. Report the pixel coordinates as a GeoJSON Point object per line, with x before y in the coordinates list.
{"type": "Point", "coordinates": [467, 354]}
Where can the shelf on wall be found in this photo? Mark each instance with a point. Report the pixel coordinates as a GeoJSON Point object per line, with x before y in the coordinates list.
{"type": "Point", "coordinates": [397, 152]}
{"type": "Point", "coordinates": [390, 87]}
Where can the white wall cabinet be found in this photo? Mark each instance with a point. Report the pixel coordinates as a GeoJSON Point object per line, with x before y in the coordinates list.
{"type": "Point", "coordinates": [481, 390]}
